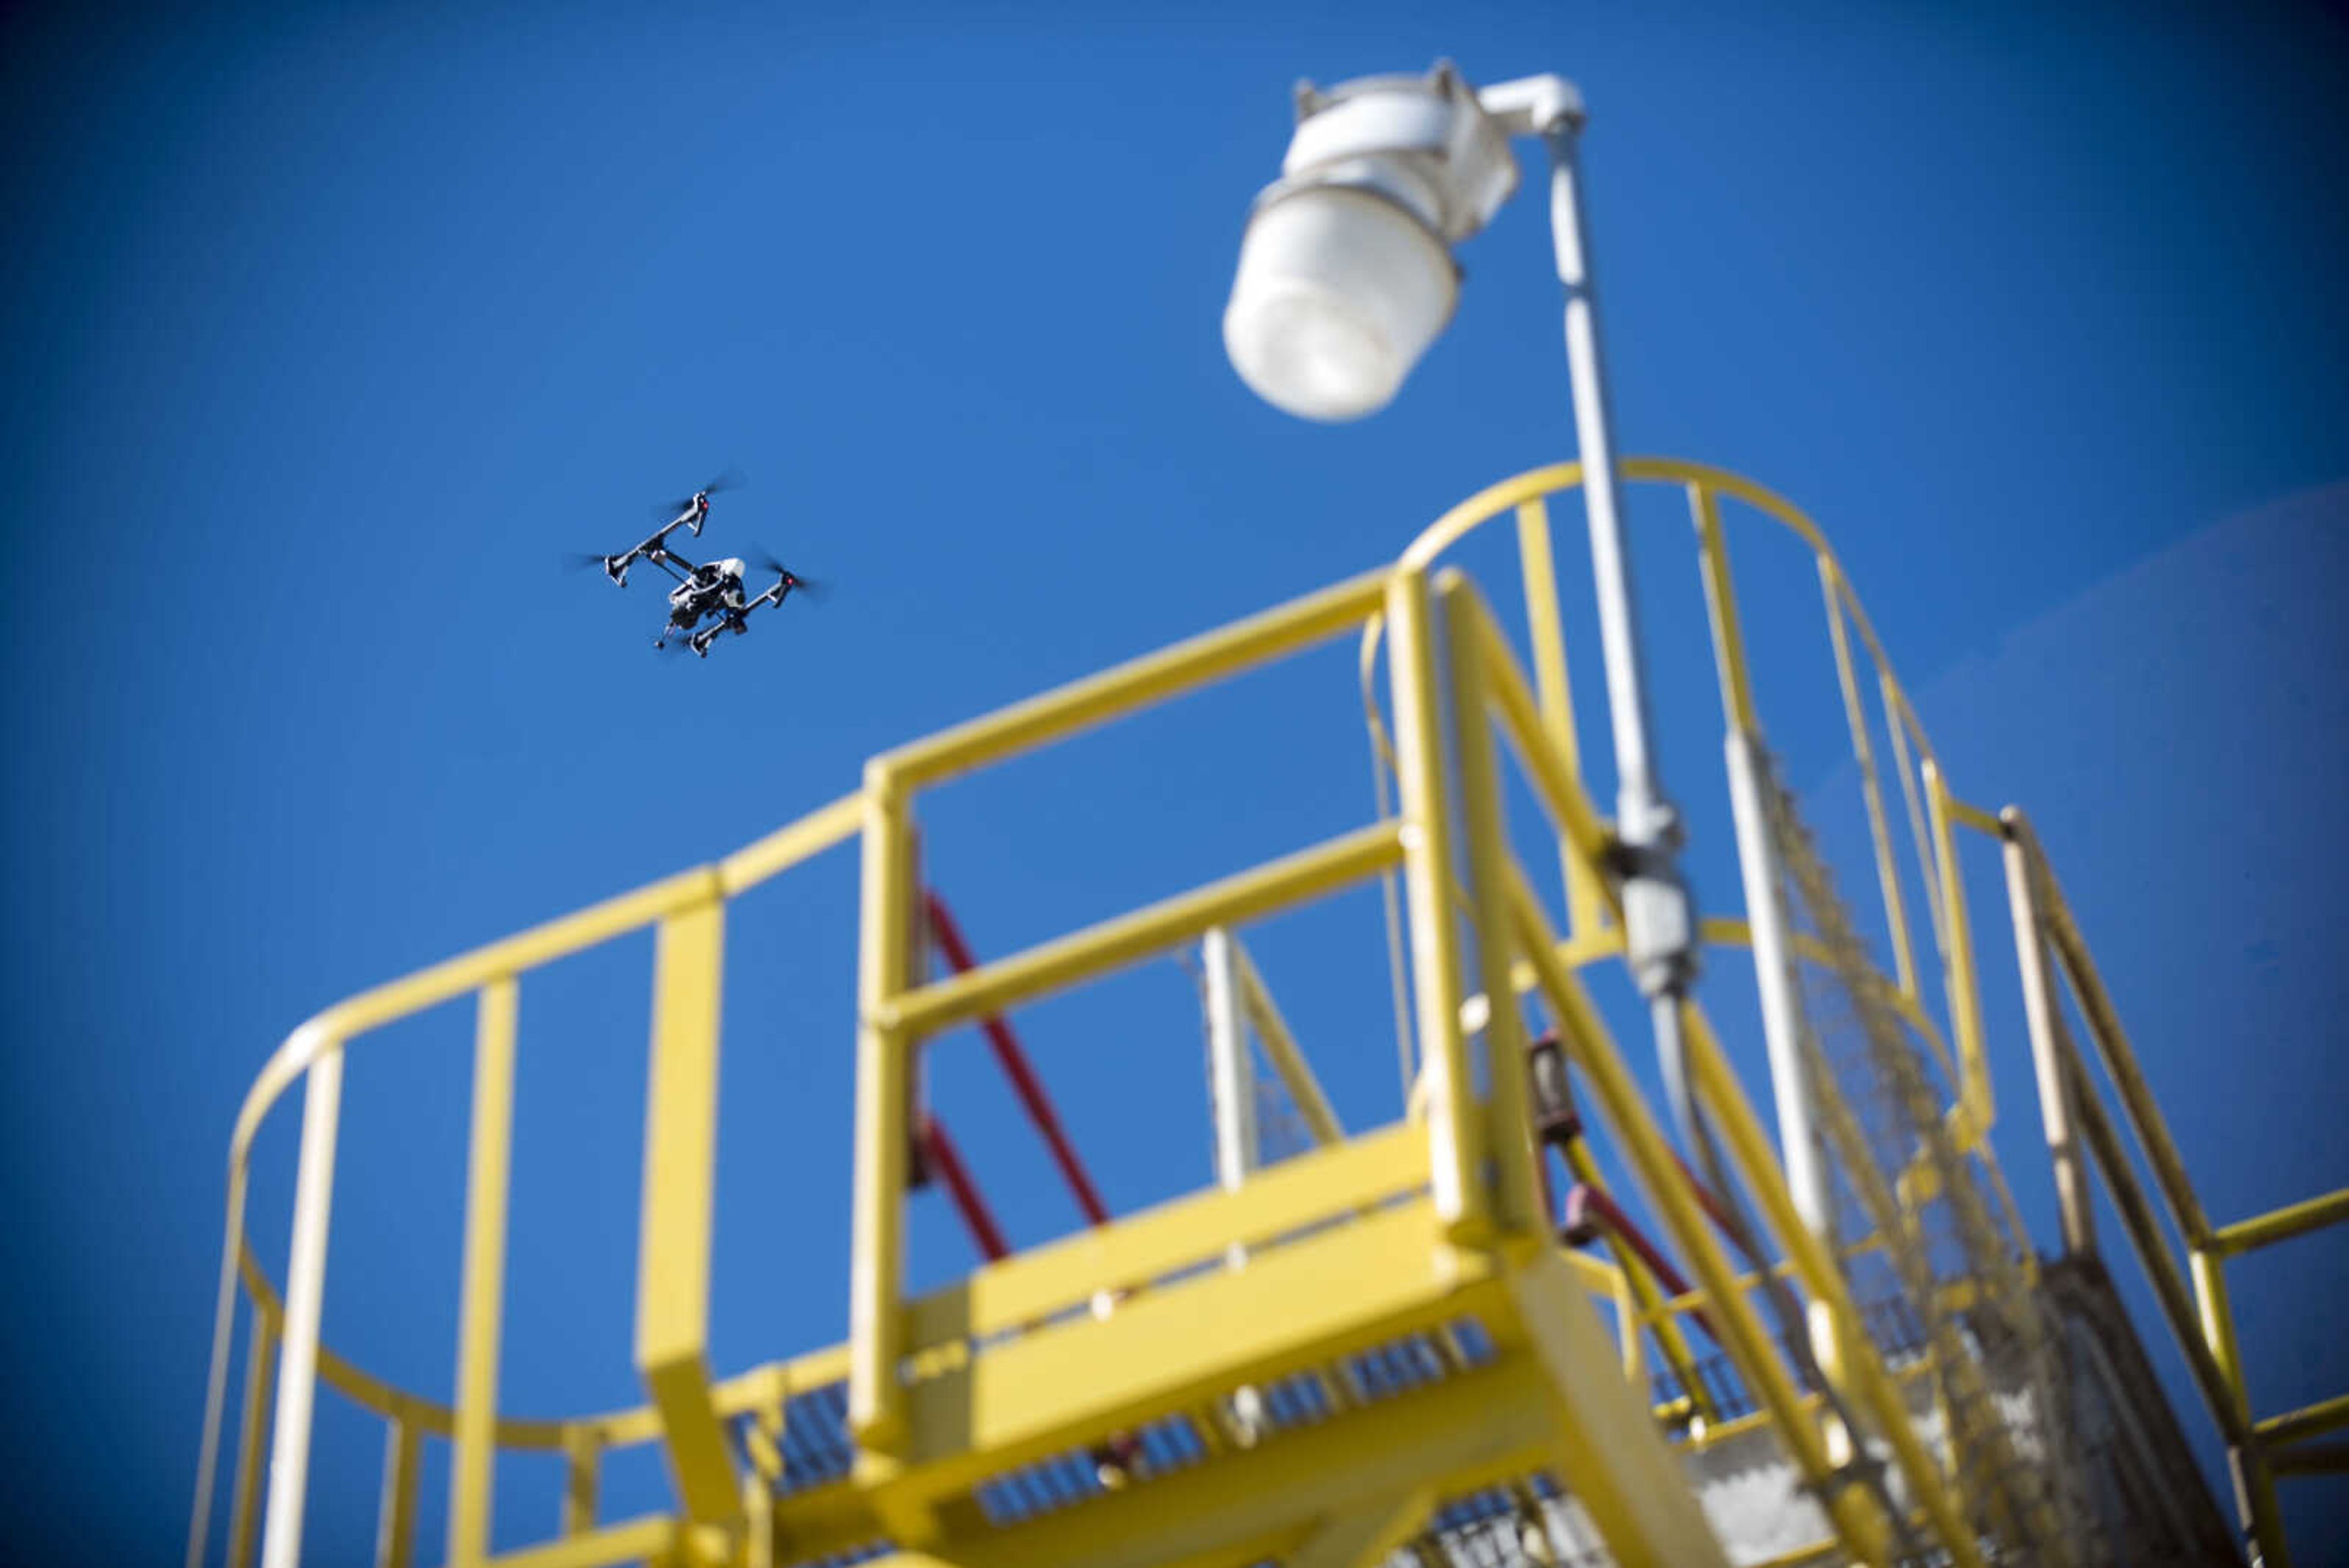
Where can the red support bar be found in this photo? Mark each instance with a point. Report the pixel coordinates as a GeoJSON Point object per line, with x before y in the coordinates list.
{"type": "Point", "coordinates": [1709, 1201]}
{"type": "Point", "coordinates": [1607, 1213]}
{"type": "Point", "coordinates": [1015, 1067]}
{"type": "Point", "coordinates": [946, 1160]}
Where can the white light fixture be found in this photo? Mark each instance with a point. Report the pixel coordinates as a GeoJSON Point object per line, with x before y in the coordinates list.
{"type": "Point", "coordinates": [1346, 273]}
{"type": "Point", "coordinates": [1339, 292]}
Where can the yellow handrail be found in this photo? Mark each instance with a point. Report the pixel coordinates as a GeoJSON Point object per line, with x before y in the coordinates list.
{"type": "Point", "coordinates": [1453, 681]}
{"type": "Point", "coordinates": [896, 1015]}
{"type": "Point", "coordinates": [2203, 1324]}
{"type": "Point", "coordinates": [1704, 485]}
{"type": "Point", "coordinates": [489, 971]}
{"type": "Point", "coordinates": [1482, 665]}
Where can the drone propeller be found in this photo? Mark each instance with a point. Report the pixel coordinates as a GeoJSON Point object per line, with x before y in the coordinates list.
{"type": "Point", "coordinates": [580, 560]}
{"type": "Point", "coordinates": [729, 480]}
{"type": "Point", "coordinates": [766, 563]}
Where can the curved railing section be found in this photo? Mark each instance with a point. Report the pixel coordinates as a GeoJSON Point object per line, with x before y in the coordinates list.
{"type": "Point", "coordinates": [687, 911]}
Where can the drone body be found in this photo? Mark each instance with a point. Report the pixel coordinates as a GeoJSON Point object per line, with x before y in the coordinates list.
{"type": "Point", "coordinates": [709, 592]}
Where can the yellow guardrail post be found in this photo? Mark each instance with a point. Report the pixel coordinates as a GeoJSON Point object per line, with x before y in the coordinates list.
{"type": "Point", "coordinates": [261, 1361]}
{"type": "Point", "coordinates": [1586, 913]}
{"type": "Point", "coordinates": [583, 1456]}
{"type": "Point", "coordinates": [681, 1159]}
{"type": "Point", "coordinates": [877, 1400]}
{"type": "Point", "coordinates": [1507, 1129]}
{"type": "Point", "coordinates": [306, 1292]}
{"type": "Point", "coordinates": [473, 1463]}
{"type": "Point", "coordinates": [1629, 1323]}
{"type": "Point", "coordinates": [1455, 1152]}
{"type": "Point", "coordinates": [395, 1525]}
{"type": "Point", "coordinates": [1879, 828]}
{"type": "Point", "coordinates": [1975, 1108]}
{"type": "Point", "coordinates": [2075, 1209]}
{"type": "Point", "coordinates": [1895, 724]}
{"type": "Point", "coordinates": [2255, 1490]}
{"type": "Point", "coordinates": [1721, 601]}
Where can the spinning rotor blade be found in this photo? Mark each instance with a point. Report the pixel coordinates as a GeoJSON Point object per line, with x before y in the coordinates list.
{"type": "Point", "coordinates": [766, 563]}
{"type": "Point", "coordinates": [729, 480]}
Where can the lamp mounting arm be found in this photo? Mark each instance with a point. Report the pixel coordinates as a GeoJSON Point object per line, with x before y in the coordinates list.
{"type": "Point", "coordinates": [1534, 105]}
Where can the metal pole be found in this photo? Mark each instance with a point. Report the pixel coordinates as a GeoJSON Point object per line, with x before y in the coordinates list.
{"type": "Point", "coordinates": [2073, 1204]}
{"type": "Point", "coordinates": [1658, 935]}
{"type": "Point", "coordinates": [1781, 1010]}
{"type": "Point", "coordinates": [1228, 1067]}
{"type": "Point", "coordinates": [1807, 1181]}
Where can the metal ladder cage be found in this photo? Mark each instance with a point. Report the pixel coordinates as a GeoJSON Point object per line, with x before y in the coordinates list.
{"type": "Point", "coordinates": [1471, 1355]}
{"type": "Point", "coordinates": [1957, 1263]}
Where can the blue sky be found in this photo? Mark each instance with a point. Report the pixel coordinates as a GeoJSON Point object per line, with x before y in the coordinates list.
{"type": "Point", "coordinates": [329, 330]}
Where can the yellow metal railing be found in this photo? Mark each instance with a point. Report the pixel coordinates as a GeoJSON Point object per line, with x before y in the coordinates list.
{"type": "Point", "coordinates": [1465, 1131]}
{"type": "Point", "coordinates": [2202, 1323]}
{"type": "Point", "coordinates": [287, 1361]}
{"type": "Point", "coordinates": [1589, 934]}
{"type": "Point", "coordinates": [894, 1015]}
{"type": "Point", "coordinates": [1481, 667]}
{"type": "Point", "coordinates": [2200, 1314]}
{"type": "Point", "coordinates": [1442, 1210]}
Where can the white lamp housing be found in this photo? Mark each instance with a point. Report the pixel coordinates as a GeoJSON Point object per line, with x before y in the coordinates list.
{"type": "Point", "coordinates": [1346, 273]}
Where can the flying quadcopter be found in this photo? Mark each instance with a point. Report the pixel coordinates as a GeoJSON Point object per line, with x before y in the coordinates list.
{"type": "Point", "coordinates": [712, 591]}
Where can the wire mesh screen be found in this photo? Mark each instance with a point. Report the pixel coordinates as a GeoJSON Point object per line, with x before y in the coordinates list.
{"type": "Point", "coordinates": [1282, 1129]}
{"type": "Point", "coordinates": [1920, 1221]}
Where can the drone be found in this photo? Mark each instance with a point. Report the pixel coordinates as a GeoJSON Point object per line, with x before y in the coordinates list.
{"type": "Point", "coordinates": [711, 592]}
